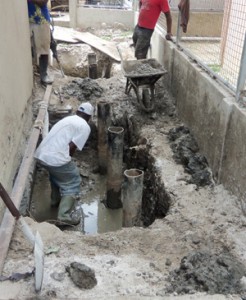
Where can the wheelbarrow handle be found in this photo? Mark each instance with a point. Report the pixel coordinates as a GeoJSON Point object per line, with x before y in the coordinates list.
{"type": "Point", "coordinates": [9, 203]}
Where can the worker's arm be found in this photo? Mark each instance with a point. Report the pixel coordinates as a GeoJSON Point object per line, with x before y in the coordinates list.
{"type": "Point", "coordinates": [72, 148]}
{"type": "Point", "coordinates": [40, 3]}
{"type": "Point", "coordinates": [169, 26]}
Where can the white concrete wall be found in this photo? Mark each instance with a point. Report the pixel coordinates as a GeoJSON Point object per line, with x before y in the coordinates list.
{"type": "Point", "coordinates": [94, 17]}
{"type": "Point", "coordinates": [15, 85]}
{"type": "Point", "coordinates": [211, 112]}
{"type": "Point", "coordinates": [201, 4]}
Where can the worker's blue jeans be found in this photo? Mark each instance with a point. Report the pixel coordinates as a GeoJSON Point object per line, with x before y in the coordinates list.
{"type": "Point", "coordinates": [66, 178]}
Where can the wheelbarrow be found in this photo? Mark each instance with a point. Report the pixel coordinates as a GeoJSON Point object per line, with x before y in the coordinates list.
{"type": "Point", "coordinates": [141, 76]}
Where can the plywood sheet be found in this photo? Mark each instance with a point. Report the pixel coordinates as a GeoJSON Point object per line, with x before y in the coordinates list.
{"type": "Point", "coordinates": [73, 36]}
{"type": "Point", "coordinates": [64, 34]}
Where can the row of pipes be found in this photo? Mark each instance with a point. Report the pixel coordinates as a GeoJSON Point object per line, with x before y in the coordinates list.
{"type": "Point", "coordinates": [124, 189]}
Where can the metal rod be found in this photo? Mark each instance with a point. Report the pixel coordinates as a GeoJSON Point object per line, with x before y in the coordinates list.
{"type": "Point", "coordinates": [103, 123]}
{"type": "Point", "coordinates": [8, 221]}
{"type": "Point", "coordinates": [132, 197]}
{"type": "Point", "coordinates": [115, 160]}
{"type": "Point", "coordinates": [242, 73]}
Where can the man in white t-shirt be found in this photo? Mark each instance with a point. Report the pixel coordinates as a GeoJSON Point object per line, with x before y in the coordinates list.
{"type": "Point", "coordinates": [54, 154]}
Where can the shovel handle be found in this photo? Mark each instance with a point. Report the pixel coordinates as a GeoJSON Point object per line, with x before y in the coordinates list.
{"type": "Point", "coordinates": [9, 203]}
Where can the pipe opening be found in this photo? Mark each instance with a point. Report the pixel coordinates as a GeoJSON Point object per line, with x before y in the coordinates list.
{"type": "Point", "coordinates": [116, 130]}
{"type": "Point", "coordinates": [133, 173]}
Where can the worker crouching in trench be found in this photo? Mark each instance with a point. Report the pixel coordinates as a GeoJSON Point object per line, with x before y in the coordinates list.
{"type": "Point", "coordinates": [55, 154]}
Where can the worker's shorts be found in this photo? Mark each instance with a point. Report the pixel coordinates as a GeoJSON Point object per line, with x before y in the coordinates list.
{"type": "Point", "coordinates": [66, 178]}
{"type": "Point", "coordinates": [141, 40]}
{"type": "Point", "coordinates": [40, 39]}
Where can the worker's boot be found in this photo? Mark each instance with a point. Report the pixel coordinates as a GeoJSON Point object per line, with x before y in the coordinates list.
{"type": "Point", "coordinates": [65, 211]}
{"type": "Point", "coordinates": [43, 67]}
{"type": "Point", "coordinates": [55, 196]}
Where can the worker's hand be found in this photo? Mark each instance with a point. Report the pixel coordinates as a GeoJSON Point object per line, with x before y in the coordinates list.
{"type": "Point", "coordinates": [169, 37]}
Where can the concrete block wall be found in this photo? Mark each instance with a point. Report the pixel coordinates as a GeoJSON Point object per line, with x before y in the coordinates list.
{"type": "Point", "coordinates": [210, 110]}
{"type": "Point", "coordinates": [94, 17]}
{"type": "Point", "coordinates": [84, 17]}
{"type": "Point", "coordinates": [233, 169]}
{"type": "Point", "coordinates": [201, 4]}
{"type": "Point", "coordinates": [201, 24]}
{"type": "Point", "coordinates": [16, 83]}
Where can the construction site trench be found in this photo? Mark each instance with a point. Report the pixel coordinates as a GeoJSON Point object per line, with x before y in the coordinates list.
{"type": "Point", "coordinates": [190, 244]}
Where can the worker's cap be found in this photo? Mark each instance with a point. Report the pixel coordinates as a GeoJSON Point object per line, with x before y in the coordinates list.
{"type": "Point", "coordinates": [86, 108]}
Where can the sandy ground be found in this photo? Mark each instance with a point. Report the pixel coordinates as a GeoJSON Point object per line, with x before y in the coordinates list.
{"type": "Point", "coordinates": [138, 263]}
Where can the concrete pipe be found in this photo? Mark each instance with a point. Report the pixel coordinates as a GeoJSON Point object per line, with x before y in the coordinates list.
{"type": "Point", "coordinates": [115, 160]}
{"type": "Point", "coordinates": [92, 66]}
{"type": "Point", "coordinates": [103, 123]}
{"type": "Point", "coordinates": [132, 197]}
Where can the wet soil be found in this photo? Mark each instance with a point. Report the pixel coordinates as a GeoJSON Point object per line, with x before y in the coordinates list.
{"type": "Point", "coordinates": [192, 244]}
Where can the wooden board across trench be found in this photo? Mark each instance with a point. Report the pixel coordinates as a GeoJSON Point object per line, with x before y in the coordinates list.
{"type": "Point", "coordinates": [72, 36]}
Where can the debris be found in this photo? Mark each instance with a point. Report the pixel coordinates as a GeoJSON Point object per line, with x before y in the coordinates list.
{"type": "Point", "coordinates": [81, 275]}
{"type": "Point", "coordinates": [58, 276]}
{"type": "Point", "coordinates": [82, 89]}
{"type": "Point", "coordinates": [185, 151]}
{"type": "Point", "coordinates": [207, 272]}
{"type": "Point", "coordinates": [17, 276]}
{"type": "Point", "coordinates": [51, 250]}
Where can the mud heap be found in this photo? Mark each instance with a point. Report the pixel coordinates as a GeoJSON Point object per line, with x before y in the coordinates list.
{"type": "Point", "coordinates": [207, 272]}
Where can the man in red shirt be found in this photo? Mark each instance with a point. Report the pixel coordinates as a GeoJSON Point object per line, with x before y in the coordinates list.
{"type": "Point", "coordinates": [148, 16]}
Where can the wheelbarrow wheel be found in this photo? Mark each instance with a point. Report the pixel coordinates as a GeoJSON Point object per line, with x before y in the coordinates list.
{"type": "Point", "coordinates": [147, 100]}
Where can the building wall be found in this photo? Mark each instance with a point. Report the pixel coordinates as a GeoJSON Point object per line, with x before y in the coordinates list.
{"type": "Point", "coordinates": [94, 17]}
{"type": "Point", "coordinates": [211, 112]}
{"type": "Point", "coordinates": [207, 5]}
{"type": "Point", "coordinates": [16, 86]}
{"type": "Point", "coordinates": [201, 24]}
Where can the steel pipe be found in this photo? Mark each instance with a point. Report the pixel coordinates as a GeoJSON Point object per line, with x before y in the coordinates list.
{"type": "Point", "coordinates": [115, 160]}
{"type": "Point", "coordinates": [103, 123]}
{"type": "Point", "coordinates": [132, 197]}
{"type": "Point", "coordinates": [92, 66]}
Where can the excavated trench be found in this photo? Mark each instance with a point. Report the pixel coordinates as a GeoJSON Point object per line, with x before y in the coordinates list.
{"type": "Point", "coordinates": [95, 217]}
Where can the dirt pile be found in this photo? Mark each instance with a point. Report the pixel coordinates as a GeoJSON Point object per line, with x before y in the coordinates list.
{"type": "Point", "coordinates": [205, 272]}
{"type": "Point", "coordinates": [82, 89]}
{"type": "Point", "coordinates": [185, 150]}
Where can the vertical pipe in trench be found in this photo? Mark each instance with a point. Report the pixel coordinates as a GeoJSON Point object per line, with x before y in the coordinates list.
{"type": "Point", "coordinates": [132, 197]}
{"type": "Point", "coordinates": [114, 169]}
{"type": "Point", "coordinates": [103, 123]}
{"type": "Point", "coordinates": [92, 68]}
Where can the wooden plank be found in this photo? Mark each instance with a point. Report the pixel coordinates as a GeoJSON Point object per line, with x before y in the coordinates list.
{"type": "Point", "coordinates": [64, 34]}
{"type": "Point", "coordinates": [70, 35]}
{"type": "Point", "coordinates": [8, 221]}
{"type": "Point", "coordinates": [106, 47]}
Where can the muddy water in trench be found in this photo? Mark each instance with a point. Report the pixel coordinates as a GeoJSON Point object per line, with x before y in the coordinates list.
{"type": "Point", "coordinates": [95, 217]}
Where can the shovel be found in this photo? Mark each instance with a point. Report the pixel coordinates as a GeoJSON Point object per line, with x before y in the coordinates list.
{"type": "Point", "coordinates": [35, 240]}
